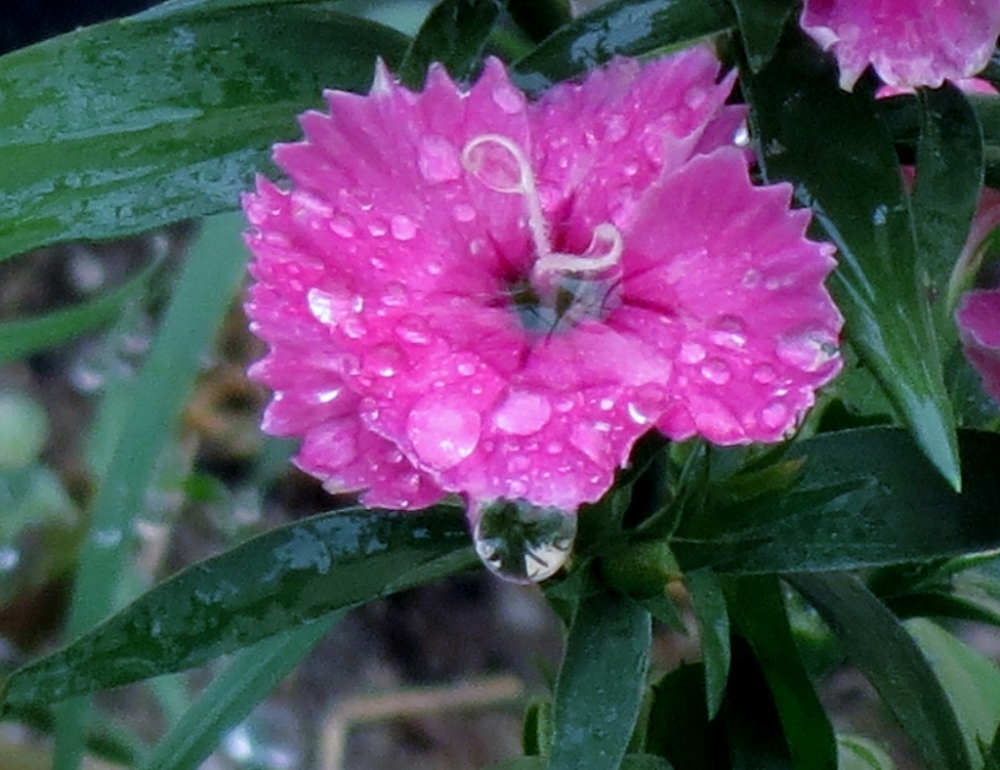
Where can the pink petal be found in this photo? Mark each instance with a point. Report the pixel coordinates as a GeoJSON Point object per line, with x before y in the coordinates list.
{"type": "Point", "coordinates": [910, 43]}
{"type": "Point", "coordinates": [978, 319]}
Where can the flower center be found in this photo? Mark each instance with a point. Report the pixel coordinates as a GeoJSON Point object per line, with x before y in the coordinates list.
{"type": "Point", "coordinates": [562, 288]}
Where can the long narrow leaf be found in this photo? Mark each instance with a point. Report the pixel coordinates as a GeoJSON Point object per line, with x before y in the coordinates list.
{"type": "Point", "coordinates": [203, 293]}
{"type": "Point", "coordinates": [271, 583]}
{"type": "Point", "coordinates": [621, 27]}
{"type": "Point", "coordinates": [131, 124]}
{"type": "Point", "coordinates": [877, 643]}
{"type": "Point", "coordinates": [855, 188]}
{"type": "Point", "coordinates": [599, 690]}
{"type": "Point", "coordinates": [233, 694]}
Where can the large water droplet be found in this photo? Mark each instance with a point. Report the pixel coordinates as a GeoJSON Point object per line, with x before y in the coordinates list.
{"type": "Point", "coordinates": [438, 159]}
{"type": "Point", "coordinates": [413, 329]}
{"type": "Point", "coordinates": [716, 371]}
{"type": "Point", "coordinates": [524, 543]}
{"type": "Point", "coordinates": [692, 353]}
{"type": "Point", "coordinates": [523, 413]}
{"type": "Point", "coordinates": [809, 352]}
{"type": "Point", "coordinates": [443, 430]}
{"type": "Point", "coordinates": [402, 228]}
{"type": "Point", "coordinates": [331, 307]}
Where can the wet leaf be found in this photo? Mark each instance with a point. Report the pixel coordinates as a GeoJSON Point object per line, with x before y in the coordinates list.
{"type": "Point", "coordinates": [875, 641]}
{"type": "Point", "coordinates": [761, 25]}
{"type": "Point", "coordinates": [949, 177]}
{"type": "Point", "coordinates": [854, 498]}
{"type": "Point", "coordinates": [678, 721]}
{"type": "Point", "coordinates": [233, 694]}
{"type": "Point", "coordinates": [709, 605]}
{"type": "Point", "coordinates": [760, 617]}
{"type": "Point", "coordinates": [855, 189]}
{"type": "Point", "coordinates": [599, 690]}
{"type": "Point", "coordinates": [269, 584]}
{"type": "Point", "coordinates": [453, 34]}
{"type": "Point", "coordinates": [622, 28]}
{"type": "Point", "coordinates": [970, 680]}
{"type": "Point", "coordinates": [125, 126]}
{"type": "Point", "coordinates": [857, 753]}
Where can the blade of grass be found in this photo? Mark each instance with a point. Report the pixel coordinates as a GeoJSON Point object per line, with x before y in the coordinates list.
{"type": "Point", "coordinates": [203, 293]}
{"type": "Point", "coordinates": [232, 695]}
{"type": "Point", "coordinates": [22, 337]}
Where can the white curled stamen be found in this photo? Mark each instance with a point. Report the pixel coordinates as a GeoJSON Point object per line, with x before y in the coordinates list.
{"type": "Point", "coordinates": [606, 246]}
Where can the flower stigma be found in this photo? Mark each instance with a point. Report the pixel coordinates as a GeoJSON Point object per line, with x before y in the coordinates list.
{"type": "Point", "coordinates": [563, 287]}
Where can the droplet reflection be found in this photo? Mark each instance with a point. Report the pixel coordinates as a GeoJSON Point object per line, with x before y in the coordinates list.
{"type": "Point", "coordinates": [524, 543]}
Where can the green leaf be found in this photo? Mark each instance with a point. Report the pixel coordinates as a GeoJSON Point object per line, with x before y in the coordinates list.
{"type": "Point", "coordinates": [454, 34]}
{"type": "Point", "coordinates": [949, 177]}
{"type": "Point", "coordinates": [753, 730]}
{"type": "Point", "coordinates": [128, 125]}
{"type": "Point", "coordinates": [599, 690]}
{"type": "Point", "coordinates": [536, 736]}
{"type": "Point", "coordinates": [875, 641]}
{"type": "Point", "coordinates": [971, 681]}
{"type": "Point", "coordinates": [271, 583]}
{"type": "Point", "coordinates": [761, 25]}
{"type": "Point", "coordinates": [623, 28]}
{"type": "Point", "coordinates": [204, 290]}
{"type": "Point", "coordinates": [855, 498]}
{"type": "Point", "coordinates": [539, 18]}
{"type": "Point", "coordinates": [855, 189]}
{"type": "Point", "coordinates": [857, 753]}
{"type": "Point", "coordinates": [759, 614]}
{"type": "Point", "coordinates": [233, 694]}
{"type": "Point", "coordinates": [629, 762]}
{"type": "Point", "coordinates": [713, 623]}
{"type": "Point", "coordinates": [678, 721]}
{"type": "Point", "coordinates": [24, 336]}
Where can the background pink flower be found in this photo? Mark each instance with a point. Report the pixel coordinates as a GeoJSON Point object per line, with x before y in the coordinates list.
{"type": "Point", "coordinates": [468, 292]}
{"type": "Point", "coordinates": [910, 43]}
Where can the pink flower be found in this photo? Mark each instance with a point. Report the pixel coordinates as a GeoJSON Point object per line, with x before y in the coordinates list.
{"type": "Point", "coordinates": [467, 292]}
{"type": "Point", "coordinates": [978, 314]}
{"type": "Point", "coordinates": [910, 43]}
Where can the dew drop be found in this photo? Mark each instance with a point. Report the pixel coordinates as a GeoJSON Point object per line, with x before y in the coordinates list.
{"type": "Point", "coordinates": [637, 415]}
{"type": "Point", "coordinates": [808, 352]}
{"type": "Point", "coordinates": [377, 229]}
{"type": "Point", "coordinates": [764, 374]}
{"type": "Point", "coordinates": [615, 128]}
{"type": "Point", "coordinates": [554, 447]}
{"type": "Point", "coordinates": [384, 361]}
{"type": "Point", "coordinates": [443, 430]}
{"type": "Point", "coordinates": [774, 415]}
{"type": "Point", "coordinates": [331, 308]}
{"type": "Point", "coordinates": [606, 404]}
{"type": "Point", "coordinates": [741, 136]}
{"type": "Point", "coordinates": [751, 278]}
{"type": "Point", "coordinates": [395, 295]}
{"type": "Point", "coordinates": [343, 226]}
{"type": "Point", "coordinates": [508, 99]}
{"type": "Point", "coordinates": [438, 159]}
{"type": "Point", "coordinates": [353, 328]}
{"type": "Point", "coordinates": [403, 228]}
{"type": "Point", "coordinates": [413, 329]}
{"type": "Point", "coordinates": [716, 371]}
{"type": "Point", "coordinates": [523, 413]}
{"type": "Point", "coordinates": [692, 353]}
{"type": "Point", "coordinates": [463, 212]}
{"type": "Point", "coordinates": [729, 333]}
{"type": "Point", "coordinates": [523, 543]}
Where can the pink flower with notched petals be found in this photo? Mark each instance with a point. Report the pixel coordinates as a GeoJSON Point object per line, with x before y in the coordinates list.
{"type": "Point", "coordinates": [468, 292]}
{"type": "Point", "coordinates": [910, 43]}
{"type": "Point", "coordinates": [978, 314]}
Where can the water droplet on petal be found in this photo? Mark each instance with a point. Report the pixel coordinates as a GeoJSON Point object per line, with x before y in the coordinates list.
{"type": "Point", "coordinates": [692, 353]}
{"type": "Point", "coordinates": [523, 413]}
{"type": "Point", "coordinates": [508, 99]}
{"type": "Point", "coordinates": [809, 352]}
{"type": "Point", "coordinates": [729, 333]}
{"type": "Point", "coordinates": [353, 328]}
{"type": "Point", "coordinates": [716, 371]}
{"type": "Point", "coordinates": [343, 226]}
{"type": "Point", "coordinates": [774, 415]}
{"type": "Point", "coordinates": [383, 361]}
{"type": "Point", "coordinates": [414, 329]}
{"type": "Point", "coordinates": [523, 543]}
{"type": "Point", "coordinates": [403, 228]}
{"type": "Point", "coordinates": [332, 308]}
{"type": "Point", "coordinates": [764, 374]}
{"type": "Point", "coordinates": [463, 212]}
{"type": "Point", "coordinates": [751, 278]}
{"type": "Point", "coordinates": [443, 430]}
{"type": "Point", "coordinates": [438, 159]}
{"type": "Point", "coordinates": [377, 229]}
{"type": "Point", "coordinates": [615, 128]}
{"type": "Point", "coordinates": [637, 415]}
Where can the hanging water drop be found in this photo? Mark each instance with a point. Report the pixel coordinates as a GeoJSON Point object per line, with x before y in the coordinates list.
{"type": "Point", "coordinates": [524, 543]}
